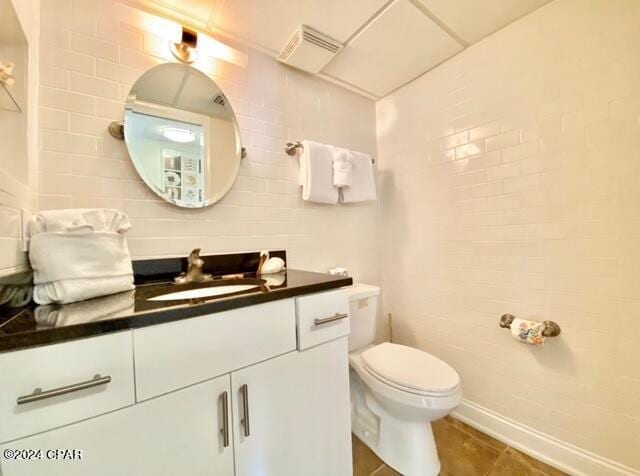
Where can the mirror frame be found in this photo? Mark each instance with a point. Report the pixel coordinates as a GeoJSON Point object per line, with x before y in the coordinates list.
{"type": "Point", "coordinates": [117, 130]}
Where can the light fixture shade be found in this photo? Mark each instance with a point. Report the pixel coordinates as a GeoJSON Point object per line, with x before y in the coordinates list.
{"type": "Point", "coordinates": [211, 47]}
{"type": "Point", "coordinates": [182, 136]}
{"type": "Point", "coordinates": [157, 26]}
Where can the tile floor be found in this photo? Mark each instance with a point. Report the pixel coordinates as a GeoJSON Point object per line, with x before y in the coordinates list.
{"type": "Point", "coordinates": [464, 451]}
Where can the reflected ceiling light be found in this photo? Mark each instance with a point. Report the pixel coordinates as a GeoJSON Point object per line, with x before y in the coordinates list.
{"type": "Point", "coordinates": [179, 135]}
{"type": "Point", "coordinates": [185, 43]}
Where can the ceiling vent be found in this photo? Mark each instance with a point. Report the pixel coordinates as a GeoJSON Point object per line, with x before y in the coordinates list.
{"type": "Point", "coordinates": [219, 100]}
{"type": "Point", "coordinates": [309, 50]}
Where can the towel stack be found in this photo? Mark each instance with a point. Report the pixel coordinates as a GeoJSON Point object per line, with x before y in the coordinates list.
{"type": "Point", "coordinates": [330, 174]}
{"type": "Point", "coordinates": [79, 254]}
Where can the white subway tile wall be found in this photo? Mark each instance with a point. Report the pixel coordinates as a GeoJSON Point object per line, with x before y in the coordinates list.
{"type": "Point", "coordinates": [511, 183]}
{"type": "Point", "coordinates": [89, 63]}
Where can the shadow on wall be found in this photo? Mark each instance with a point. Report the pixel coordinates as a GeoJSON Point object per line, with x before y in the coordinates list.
{"type": "Point", "coordinates": [556, 356]}
{"type": "Point", "coordinates": [394, 234]}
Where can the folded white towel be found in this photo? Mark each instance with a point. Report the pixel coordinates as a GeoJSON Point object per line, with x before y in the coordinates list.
{"type": "Point", "coordinates": [79, 219]}
{"type": "Point", "coordinates": [107, 307]}
{"type": "Point", "coordinates": [316, 173]}
{"type": "Point", "coordinates": [342, 167]}
{"type": "Point", "coordinates": [79, 254]}
{"type": "Point", "coordinates": [363, 182]}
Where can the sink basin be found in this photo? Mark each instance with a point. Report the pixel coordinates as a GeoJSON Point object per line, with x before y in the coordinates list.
{"type": "Point", "coordinates": [210, 291]}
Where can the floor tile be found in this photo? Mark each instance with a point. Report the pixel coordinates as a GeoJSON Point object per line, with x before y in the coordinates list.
{"type": "Point", "coordinates": [386, 471]}
{"type": "Point", "coordinates": [498, 445]}
{"type": "Point", "coordinates": [460, 453]}
{"type": "Point", "coordinates": [515, 462]}
{"type": "Point", "coordinates": [365, 461]}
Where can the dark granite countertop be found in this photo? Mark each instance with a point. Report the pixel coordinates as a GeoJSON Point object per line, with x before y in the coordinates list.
{"type": "Point", "coordinates": [34, 325]}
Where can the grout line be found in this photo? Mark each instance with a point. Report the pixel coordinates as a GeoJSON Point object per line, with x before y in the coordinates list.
{"type": "Point", "coordinates": [376, 470]}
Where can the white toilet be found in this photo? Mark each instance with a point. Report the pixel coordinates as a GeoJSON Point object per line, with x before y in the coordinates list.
{"type": "Point", "coordinates": [396, 392]}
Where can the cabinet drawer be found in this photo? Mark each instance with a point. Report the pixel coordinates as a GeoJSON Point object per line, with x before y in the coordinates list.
{"type": "Point", "coordinates": [70, 371]}
{"type": "Point", "coordinates": [322, 317]}
{"type": "Point", "coordinates": [181, 353]}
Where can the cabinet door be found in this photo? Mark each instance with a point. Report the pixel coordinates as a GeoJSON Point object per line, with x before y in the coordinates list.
{"type": "Point", "coordinates": [175, 434]}
{"type": "Point", "coordinates": [298, 414]}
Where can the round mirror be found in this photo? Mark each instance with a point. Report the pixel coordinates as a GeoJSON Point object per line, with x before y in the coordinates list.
{"type": "Point", "coordinates": [182, 135]}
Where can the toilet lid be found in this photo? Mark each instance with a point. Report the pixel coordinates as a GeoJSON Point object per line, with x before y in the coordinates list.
{"type": "Point", "coordinates": [411, 368]}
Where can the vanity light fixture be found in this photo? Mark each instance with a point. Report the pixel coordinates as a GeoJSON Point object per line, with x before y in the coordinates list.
{"type": "Point", "coordinates": [175, 134]}
{"type": "Point", "coordinates": [185, 44]}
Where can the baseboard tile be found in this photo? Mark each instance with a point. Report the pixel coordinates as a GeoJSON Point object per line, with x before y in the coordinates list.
{"type": "Point", "coordinates": [564, 456]}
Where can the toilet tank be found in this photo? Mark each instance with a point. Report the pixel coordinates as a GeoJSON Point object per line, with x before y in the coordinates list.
{"type": "Point", "coordinates": [363, 314]}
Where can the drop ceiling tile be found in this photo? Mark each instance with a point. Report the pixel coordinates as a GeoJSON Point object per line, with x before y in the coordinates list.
{"type": "Point", "coordinates": [396, 47]}
{"type": "Point", "coordinates": [271, 23]}
{"type": "Point", "coordinates": [472, 20]}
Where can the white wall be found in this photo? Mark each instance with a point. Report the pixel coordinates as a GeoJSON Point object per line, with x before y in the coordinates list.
{"type": "Point", "coordinates": [18, 130]}
{"type": "Point", "coordinates": [89, 64]}
{"type": "Point", "coordinates": [512, 184]}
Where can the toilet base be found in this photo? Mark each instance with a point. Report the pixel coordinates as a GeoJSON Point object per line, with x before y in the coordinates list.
{"type": "Point", "coordinates": [406, 446]}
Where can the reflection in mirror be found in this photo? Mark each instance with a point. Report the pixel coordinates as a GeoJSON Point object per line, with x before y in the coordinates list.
{"type": "Point", "coordinates": [182, 135]}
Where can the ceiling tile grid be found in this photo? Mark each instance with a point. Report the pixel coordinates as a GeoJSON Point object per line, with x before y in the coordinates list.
{"type": "Point", "coordinates": [388, 43]}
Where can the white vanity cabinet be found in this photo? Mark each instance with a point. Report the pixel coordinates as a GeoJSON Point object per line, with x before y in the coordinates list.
{"type": "Point", "coordinates": [299, 417]}
{"type": "Point", "coordinates": [178, 434]}
{"type": "Point", "coordinates": [229, 393]}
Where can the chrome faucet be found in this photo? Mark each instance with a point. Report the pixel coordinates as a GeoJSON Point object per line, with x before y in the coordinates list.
{"type": "Point", "coordinates": [194, 272]}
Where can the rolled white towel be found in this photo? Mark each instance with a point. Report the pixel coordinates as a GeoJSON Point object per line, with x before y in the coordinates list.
{"type": "Point", "coordinates": [363, 184]}
{"type": "Point", "coordinates": [342, 167]}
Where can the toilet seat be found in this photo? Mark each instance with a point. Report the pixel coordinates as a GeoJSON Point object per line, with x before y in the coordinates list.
{"type": "Point", "coordinates": [411, 370]}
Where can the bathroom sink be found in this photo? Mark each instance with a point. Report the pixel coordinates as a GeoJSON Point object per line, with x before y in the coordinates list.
{"type": "Point", "coordinates": [210, 291]}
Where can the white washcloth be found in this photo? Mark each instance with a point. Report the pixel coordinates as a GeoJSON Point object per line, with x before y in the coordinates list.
{"type": "Point", "coordinates": [107, 307]}
{"type": "Point", "coordinates": [363, 183]}
{"type": "Point", "coordinates": [342, 167]}
{"type": "Point", "coordinates": [79, 219]}
{"type": "Point", "coordinates": [527, 332]}
{"type": "Point", "coordinates": [316, 173]}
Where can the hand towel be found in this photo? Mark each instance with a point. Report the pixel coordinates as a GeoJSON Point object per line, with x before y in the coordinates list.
{"type": "Point", "coordinates": [316, 173]}
{"type": "Point", "coordinates": [527, 332]}
{"type": "Point", "coordinates": [342, 167]}
{"type": "Point", "coordinates": [363, 182]}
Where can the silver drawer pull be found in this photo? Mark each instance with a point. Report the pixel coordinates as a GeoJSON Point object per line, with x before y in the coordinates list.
{"type": "Point", "coordinates": [326, 320]}
{"type": "Point", "coordinates": [244, 390]}
{"type": "Point", "coordinates": [224, 398]}
{"type": "Point", "coordinates": [39, 394]}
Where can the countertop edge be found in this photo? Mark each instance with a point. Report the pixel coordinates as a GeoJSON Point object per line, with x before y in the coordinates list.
{"type": "Point", "coordinates": [51, 336]}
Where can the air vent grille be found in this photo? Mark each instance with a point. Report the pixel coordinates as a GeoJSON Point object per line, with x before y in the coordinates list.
{"type": "Point", "coordinates": [309, 49]}
{"type": "Point", "coordinates": [220, 100]}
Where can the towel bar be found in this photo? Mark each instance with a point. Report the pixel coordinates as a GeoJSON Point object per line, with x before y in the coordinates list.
{"type": "Point", "coordinates": [551, 329]}
{"type": "Point", "coordinates": [291, 148]}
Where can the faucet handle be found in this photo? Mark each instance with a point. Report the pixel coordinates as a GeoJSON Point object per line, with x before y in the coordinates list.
{"type": "Point", "coordinates": [194, 258]}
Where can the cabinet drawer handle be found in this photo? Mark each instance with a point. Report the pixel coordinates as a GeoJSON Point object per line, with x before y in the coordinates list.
{"type": "Point", "coordinates": [224, 398]}
{"type": "Point", "coordinates": [244, 389]}
{"type": "Point", "coordinates": [39, 394]}
{"type": "Point", "coordinates": [326, 320]}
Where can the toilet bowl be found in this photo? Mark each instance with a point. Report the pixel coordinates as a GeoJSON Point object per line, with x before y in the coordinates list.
{"type": "Point", "coordinates": [396, 392]}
